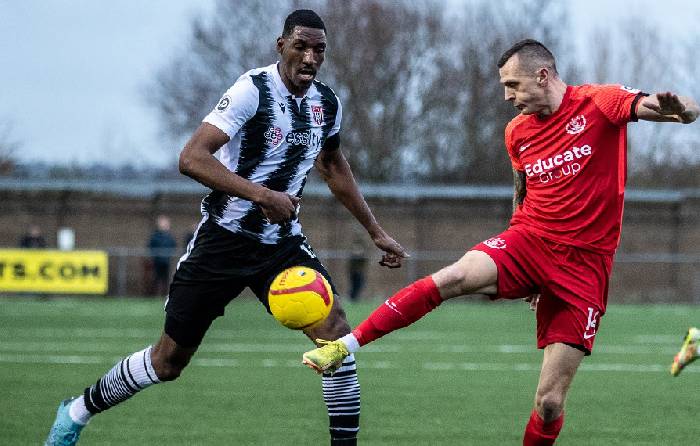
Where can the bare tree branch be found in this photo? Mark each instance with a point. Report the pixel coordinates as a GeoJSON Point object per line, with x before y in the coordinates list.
{"type": "Point", "coordinates": [9, 145]}
{"type": "Point", "coordinates": [419, 83]}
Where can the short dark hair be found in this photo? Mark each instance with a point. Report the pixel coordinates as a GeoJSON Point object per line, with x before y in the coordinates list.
{"type": "Point", "coordinates": [302, 17]}
{"type": "Point", "coordinates": [533, 52]}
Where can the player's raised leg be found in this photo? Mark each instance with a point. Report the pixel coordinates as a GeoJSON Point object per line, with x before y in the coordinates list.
{"type": "Point", "coordinates": [155, 364]}
{"type": "Point", "coordinates": [688, 352]}
{"type": "Point", "coordinates": [559, 366]}
{"type": "Point", "coordinates": [341, 389]}
{"type": "Point", "coordinates": [474, 273]}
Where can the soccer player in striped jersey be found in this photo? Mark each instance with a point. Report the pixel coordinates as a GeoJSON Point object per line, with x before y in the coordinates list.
{"type": "Point", "coordinates": [568, 151]}
{"type": "Point", "coordinates": [269, 129]}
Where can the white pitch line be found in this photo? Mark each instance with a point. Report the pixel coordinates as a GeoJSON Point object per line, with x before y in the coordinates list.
{"type": "Point", "coordinates": [659, 339]}
{"type": "Point", "coordinates": [280, 334]}
{"type": "Point", "coordinates": [276, 333]}
{"type": "Point", "coordinates": [382, 365]}
{"type": "Point", "coordinates": [98, 346]}
{"type": "Point", "coordinates": [532, 367]}
{"type": "Point", "coordinates": [51, 359]}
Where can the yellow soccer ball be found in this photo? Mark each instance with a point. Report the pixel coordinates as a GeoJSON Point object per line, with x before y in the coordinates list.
{"type": "Point", "coordinates": [300, 297]}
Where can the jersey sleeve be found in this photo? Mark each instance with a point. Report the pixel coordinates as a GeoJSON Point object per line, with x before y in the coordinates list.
{"type": "Point", "coordinates": [510, 147]}
{"type": "Point", "coordinates": [333, 138]}
{"type": "Point", "coordinates": [617, 102]}
{"type": "Point", "coordinates": [235, 107]}
{"type": "Point", "coordinates": [338, 118]}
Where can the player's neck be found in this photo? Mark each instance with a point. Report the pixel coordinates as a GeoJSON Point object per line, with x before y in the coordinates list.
{"type": "Point", "coordinates": [297, 92]}
{"type": "Point", "coordinates": [554, 98]}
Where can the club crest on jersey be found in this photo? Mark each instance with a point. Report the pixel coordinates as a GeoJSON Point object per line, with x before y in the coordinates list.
{"type": "Point", "coordinates": [273, 136]}
{"type": "Point", "coordinates": [495, 243]}
{"type": "Point", "coordinates": [576, 125]}
{"type": "Point", "coordinates": [317, 112]}
{"type": "Point", "coordinates": [223, 104]}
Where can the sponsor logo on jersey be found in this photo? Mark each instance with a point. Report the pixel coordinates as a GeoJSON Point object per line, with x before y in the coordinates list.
{"type": "Point", "coordinates": [593, 318]}
{"type": "Point", "coordinates": [524, 147]}
{"type": "Point", "coordinates": [298, 138]}
{"type": "Point", "coordinates": [558, 166]}
{"type": "Point", "coordinates": [223, 104]}
{"type": "Point", "coordinates": [576, 125]}
{"type": "Point", "coordinates": [303, 138]}
{"type": "Point", "coordinates": [282, 106]}
{"type": "Point", "coordinates": [629, 89]}
{"type": "Point", "coordinates": [495, 243]}
{"type": "Point", "coordinates": [273, 136]}
{"type": "Point", "coordinates": [317, 112]}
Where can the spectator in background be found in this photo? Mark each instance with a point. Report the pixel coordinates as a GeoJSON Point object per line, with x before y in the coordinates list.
{"type": "Point", "coordinates": [162, 247]}
{"type": "Point", "coordinates": [357, 264]}
{"type": "Point", "coordinates": [33, 238]}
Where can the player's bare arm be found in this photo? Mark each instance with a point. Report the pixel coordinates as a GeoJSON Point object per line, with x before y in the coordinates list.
{"type": "Point", "coordinates": [518, 188]}
{"type": "Point", "coordinates": [197, 161]}
{"type": "Point", "coordinates": [336, 172]}
{"type": "Point", "coordinates": [519, 191]}
{"type": "Point", "coordinates": [668, 107]}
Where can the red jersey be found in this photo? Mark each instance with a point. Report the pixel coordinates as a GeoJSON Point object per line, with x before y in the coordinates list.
{"type": "Point", "coordinates": [575, 164]}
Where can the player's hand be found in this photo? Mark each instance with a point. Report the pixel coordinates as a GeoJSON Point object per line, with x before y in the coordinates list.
{"type": "Point", "coordinates": [670, 105]}
{"type": "Point", "coordinates": [278, 207]}
{"type": "Point", "coordinates": [393, 252]}
{"type": "Point", "coordinates": [532, 300]}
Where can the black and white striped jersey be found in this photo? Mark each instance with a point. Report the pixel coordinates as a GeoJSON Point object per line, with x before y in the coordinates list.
{"type": "Point", "coordinates": [275, 139]}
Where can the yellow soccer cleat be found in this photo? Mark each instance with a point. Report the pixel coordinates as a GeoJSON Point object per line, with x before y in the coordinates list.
{"type": "Point", "coordinates": [327, 358]}
{"type": "Point", "coordinates": [688, 353]}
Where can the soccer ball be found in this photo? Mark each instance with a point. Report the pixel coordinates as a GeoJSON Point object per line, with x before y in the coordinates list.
{"type": "Point", "coordinates": [300, 297]}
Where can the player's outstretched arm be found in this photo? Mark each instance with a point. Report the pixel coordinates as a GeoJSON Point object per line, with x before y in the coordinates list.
{"type": "Point", "coordinates": [336, 172]}
{"type": "Point", "coordinates": [668, 107]}
{"type": "Point", "coordinates": [198, 162]}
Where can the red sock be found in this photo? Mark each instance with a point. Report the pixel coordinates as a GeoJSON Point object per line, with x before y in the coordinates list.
{"type": "Point", "coordinates": [539, 433]}
{"type": "Point", "coordinates": [400, 310]}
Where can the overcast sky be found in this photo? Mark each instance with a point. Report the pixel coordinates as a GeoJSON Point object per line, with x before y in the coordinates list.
{"type": "Point", "coordinates": [72, 72]}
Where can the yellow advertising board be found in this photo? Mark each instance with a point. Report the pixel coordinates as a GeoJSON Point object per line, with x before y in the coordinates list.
{"type": "Point", "coordinates": [49, 271]}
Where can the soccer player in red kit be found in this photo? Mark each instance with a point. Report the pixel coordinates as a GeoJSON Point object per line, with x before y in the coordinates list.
{"type": "Point", "coordinates": [568, 151]}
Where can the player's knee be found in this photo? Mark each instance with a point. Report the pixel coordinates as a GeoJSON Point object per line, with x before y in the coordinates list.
{"type": "Point", "coordinates": [335, 326]}
{"type": "Point", "coordinates": [166, 368]}
{"type": "Point", "coordinates": [468, 275]}
{"type": "Point", "coordinates": [550, 406]}
{"type": "Point", "coordinates": [167, 371]}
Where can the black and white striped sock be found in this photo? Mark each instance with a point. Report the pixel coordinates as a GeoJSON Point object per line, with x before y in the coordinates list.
{"type": "Point", "coordinates": [341, 392]}
{"type": "Point", "coordinates": [129, 376]}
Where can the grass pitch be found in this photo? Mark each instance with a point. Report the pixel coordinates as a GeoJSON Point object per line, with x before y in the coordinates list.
{"type": "Point", "coordinates": [464, 375]}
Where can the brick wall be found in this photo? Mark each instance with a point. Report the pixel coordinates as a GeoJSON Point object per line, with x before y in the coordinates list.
{"type": "Point", "coordinates": [439, 229]}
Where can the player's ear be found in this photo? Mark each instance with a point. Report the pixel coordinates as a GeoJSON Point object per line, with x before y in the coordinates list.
{"type": "Point", "coordinates": [542, 77]}
{"type": "Point", "coordinates": [280, 44]}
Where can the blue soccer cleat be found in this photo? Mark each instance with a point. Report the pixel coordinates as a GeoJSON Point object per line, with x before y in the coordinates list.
{"type": "Point", "coordinates": [65, 431]}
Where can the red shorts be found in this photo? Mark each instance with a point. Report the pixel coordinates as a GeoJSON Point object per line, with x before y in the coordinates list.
{"type": "Point", "coordinates": [573, 284]}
